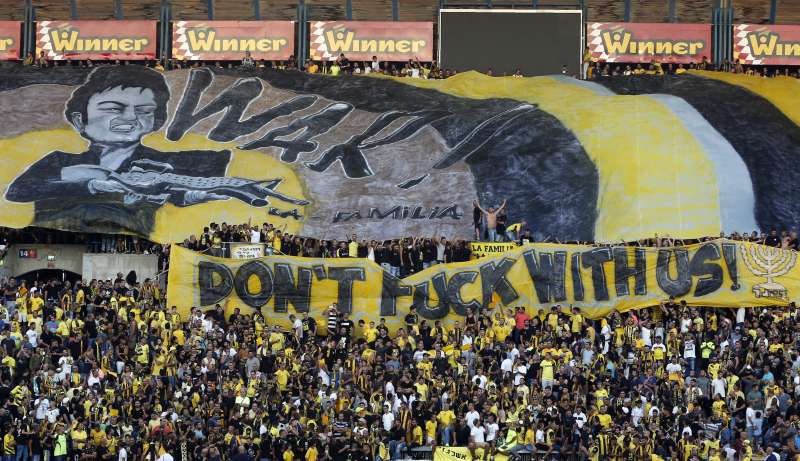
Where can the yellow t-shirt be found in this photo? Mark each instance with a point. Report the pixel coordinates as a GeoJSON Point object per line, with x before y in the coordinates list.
{"type": "Point", "coordinates": [312, 453]}
{"type": "Point", "coordinates": [277, 340]}
{"type": "Point", "coordinates": [446, 417]}
{"type": "Point", "coordinates": [371, 334]}
{"type": "Point", "coordinates": [79, 438]}
{"type": "Point", "coordinates": [9, 444]}
{"type": "Point", "coordinates": [417, 435]}
{"type": "Point", "coordinates": [604, 419]}
{"type": "Point", "coordinates": [422, 389]}
{"type": "Point", "coordinates": [430, 428]}
{"type": "Point", "coordinates": [547, 369]}
{"type": "Point", "coordinates": [352, 249]}
{"type": "Point", "coordinates": [282, 378]}
{"type": "Point", "coordinates": [36, 305]}
{"type": "Point", "coordinates": [577, 323]}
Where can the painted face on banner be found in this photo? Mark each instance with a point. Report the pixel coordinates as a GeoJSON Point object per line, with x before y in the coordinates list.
{"type": "Point", "coordinates": [120, 115]}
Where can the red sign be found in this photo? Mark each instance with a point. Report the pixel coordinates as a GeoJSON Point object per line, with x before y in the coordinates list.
{"type": "Point", "coordinates": [361, 40]}
{"type": "Point", "coordinates": [125, 40]}
{"type": "Point", "coordinates": [229, 40]}
{"type": "Point", "coordinates": [27, 253]}
{"type": "Point", "coordinates": [766, 44]}
{"type": "Point", "coordinates": [10, 40]}
{"type": "Point", "coordinates": [641, 42]}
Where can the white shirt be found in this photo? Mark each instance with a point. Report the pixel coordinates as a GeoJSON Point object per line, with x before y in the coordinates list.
{"type": "Point", "coordinates": [165, 457]}
{"type": "Point", "coordinates": [52, 415]}
{"type": "Point", "coordinates": [41, 409]}
{"type": "Point", "coordinates": [519, 376]}
{"type": "Point", "coordinates": [471, 417]}
{"type": "Point", "coordinates": [750, 416]}
{"type": "Point", "coordinates": [93, 380]}
{"type": "Point", "coordinates": [719, 386]}
{"type": "Point", "coordinates": [478, 434]}
{"type": "Point", "coordinates": [673, 368]}
{"type": "Point", "coordinates": [388, 420]}
{"type": "Point", "coordinates": [507, 365]}
{"type": "Point", "coordinates": [636, 414]}
{"type": "Point", "coordinates": [646, 336]}
{"type": "Point", "coordinates": [255, 236]}
{"type": "Point", "coordinates": [123, 454]}
{"type": "Point", "coordinates": [491, 431]}
{"type": "Point", "coordinates": [33, 337]}
{"type": "Point", "coordinates": [580, 419]}
{"type": "Point", "coordinates": [688, 350]}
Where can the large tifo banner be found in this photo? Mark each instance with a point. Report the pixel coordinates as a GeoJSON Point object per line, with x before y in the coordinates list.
{"type": "Point", "coordinates": [128, 149]}
{"type": "Point", "coordinates": [10, 40]}
{"type": "Point", "coordinates": [766, 44]}
{"type": "Point", "coordinates": [79, 40]}
{"type": "Point", "coordinates": [361, 40]}
{"type": "Point", "coordinates": [230, 40]}
{"type": "Point", "coordinates": [643, 42]}
{"type": "Point", "coordinates": [718, 273]}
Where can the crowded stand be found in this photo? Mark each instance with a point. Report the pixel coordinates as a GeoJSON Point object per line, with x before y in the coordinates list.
{"type": "Point", "coordinates": [106, 369]}
{"type": "Point", "coordinates": [496, 336]}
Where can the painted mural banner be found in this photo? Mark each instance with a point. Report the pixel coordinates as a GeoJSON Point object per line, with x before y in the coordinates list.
{"type": "Point", "coordinates": [230, 40]}
{"type": "Point", "coordinates": [644, 42]}
{"type": "Point", "coordinates": [361, 40]}
{"type": "Point", "coordinates": [81, 40]}
{"type": "Point", "coordinates": [766, 44]}
{"type": "Point", "coordinates": [10, 40]}
{"type": "Point", "coordinates": [599, 280]}
{"type": "Point", "coordinates": [128, 149]}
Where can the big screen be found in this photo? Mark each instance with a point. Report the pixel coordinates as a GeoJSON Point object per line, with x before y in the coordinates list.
{"type": "Point", "coordinates": [538, 42]}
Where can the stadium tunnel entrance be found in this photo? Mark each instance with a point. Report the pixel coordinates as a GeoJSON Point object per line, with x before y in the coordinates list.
{"type": "Point", "coordinates": [45, 275]}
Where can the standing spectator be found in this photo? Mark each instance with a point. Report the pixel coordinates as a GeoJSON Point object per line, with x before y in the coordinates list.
{"type": "Point", "coordinates": [248, 63]}
{"type": "Point", "coordinates": [490, 217]}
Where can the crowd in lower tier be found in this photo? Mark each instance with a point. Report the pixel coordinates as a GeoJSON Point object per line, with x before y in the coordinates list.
{"type": "Point", "coordinates": [106, 371]}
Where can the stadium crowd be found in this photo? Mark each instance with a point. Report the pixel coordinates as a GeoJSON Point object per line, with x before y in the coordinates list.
{"type": "Point", "coordinates": [106, 370]}
{"type": "Point", "coordinates": [592, 68]}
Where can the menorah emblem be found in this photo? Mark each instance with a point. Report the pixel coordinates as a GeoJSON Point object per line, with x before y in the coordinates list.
{"type": "Point", "coordinates": [771, 263]}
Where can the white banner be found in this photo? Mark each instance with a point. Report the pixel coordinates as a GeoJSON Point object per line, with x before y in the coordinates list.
{"type": "Point", "coordinates": [246, 250]}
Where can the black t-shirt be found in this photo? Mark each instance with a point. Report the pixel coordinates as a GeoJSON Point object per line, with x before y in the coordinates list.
{"type": "Point", "coordinates": [51, 291]}
{"type": "Point", "coordinates": [394, 258]}
{"type": "Point", "coordinates": [773, 241]}
{"type": "Point", "coordinates": [309, 324]}
{"type": "Point", "coordinates": [411, 319]}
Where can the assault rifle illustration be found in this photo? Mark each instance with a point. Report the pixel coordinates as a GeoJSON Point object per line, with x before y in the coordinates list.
{"type": "Point", "coordinates": [153, 182]}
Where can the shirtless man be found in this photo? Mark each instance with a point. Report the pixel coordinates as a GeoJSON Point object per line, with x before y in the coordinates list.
{"type": "Point", "coordinates": [491, 219]}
